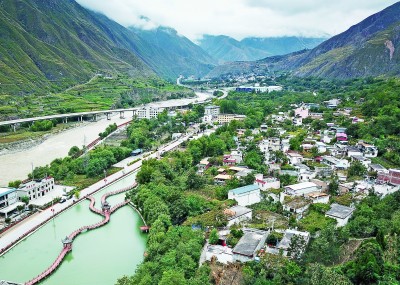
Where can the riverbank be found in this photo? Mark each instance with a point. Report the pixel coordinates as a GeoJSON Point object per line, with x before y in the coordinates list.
{"type": "Point", "coordinates": [19, 164]}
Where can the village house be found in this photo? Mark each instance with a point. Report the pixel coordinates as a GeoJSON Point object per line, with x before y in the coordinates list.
{"type": "Point", "coordinates": [363, 160]}
{"type": "Point", "coordinates": [294, 157]}
{"type": "Point", "coordinates": [300, 189]}
{"type": "Point", "coordinates": [391, 177]}
{"type": "Point", "coordinates": [321, 147]}
{"type": "Point", "coordinates": [377, 168]}
{"type": "Point", "coordinates": [297, 121]}
{"type": "Point", "coordinates": [285, 145]}
{"type": "Point", "coordinates": [335, 163]}
{"type": "Point", "coordinates": [264, 146]}
{"type": "Point", "coordinates": [238, 214]}
{"type": "Point", "coordinates": [318, 197]}
{"type": "Point", "coordinates": [274, 144]}
{"type": "Point", "coordinates": [203, 165]}
{"type": "Point", "coordinates": [340, 213]}
{"type": "Point", "coordinates": [353, 151]}
{"type": "Point", "coordinates": [284, 244]}
{"type": "Point", "coordinates": [368, 150]}
{"type": "Point", "coordinates": [265, 183]}
{"type": "Point", "coordinates": [301, 112]}
{"type": "Point", "coordinates": [249, 245]}
{"type": "Point", "coordinates": [222, 178]}
{"type": "Point", "coordinates": [246, 195]}
{"type": "Point", "coordinates": [297, 205]}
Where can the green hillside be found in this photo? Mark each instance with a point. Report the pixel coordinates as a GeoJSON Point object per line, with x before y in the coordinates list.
{"type": "Point", "coordinates": [51, 45]}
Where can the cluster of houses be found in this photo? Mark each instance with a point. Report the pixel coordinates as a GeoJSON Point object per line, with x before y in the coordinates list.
{"type": "Point", "coordinates": [331, 155]}
{"type": "Point", "coordinates": [37, 191]}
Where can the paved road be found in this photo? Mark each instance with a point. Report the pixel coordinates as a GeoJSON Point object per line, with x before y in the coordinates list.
{"type": "Point", "coordinates": [22, 228]}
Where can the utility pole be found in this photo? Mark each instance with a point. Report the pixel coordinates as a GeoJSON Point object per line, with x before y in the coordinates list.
{"type": "Point", "coordinates": [33, 175]}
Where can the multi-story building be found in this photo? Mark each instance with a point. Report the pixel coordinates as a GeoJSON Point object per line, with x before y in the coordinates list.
{"type": "Point", "coordinates": [148, 112]}
{"type": "Point", "coordinates": [227, 118]}
{"type": "Point", "coordinates": [211, 110]}
{"type": "Point", "coordinates": [8, 196]}
{"type": "Point", "coordinates": [8, 200]}
{"type": "Point", "coordinates": [36, 188]}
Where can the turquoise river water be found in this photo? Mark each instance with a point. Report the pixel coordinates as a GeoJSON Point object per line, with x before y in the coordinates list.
{"type": "Point", "coordinates": [98, 257]}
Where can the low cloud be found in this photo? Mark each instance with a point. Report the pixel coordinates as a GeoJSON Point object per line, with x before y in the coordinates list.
{"type": "Point", "coordinates": [240, 18]}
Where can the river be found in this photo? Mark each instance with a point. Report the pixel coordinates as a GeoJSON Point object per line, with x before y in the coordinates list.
{"type": "Point", "coordinates": [18, 165]}
{"type": "Point", "coordinates": [99, 257]}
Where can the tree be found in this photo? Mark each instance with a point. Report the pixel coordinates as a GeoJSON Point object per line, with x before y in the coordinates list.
{"type": "Point", "coordinates": [14, 184]}
{"type": "Point", "coordinates": [357, 169]}
{"type": "Point", "coordinates": [25, 199]}
{"type": "Point", "coordinates": [173, 277]}
{"type": "Point", "coordinates": [333, 186]}
{"type": "Point", "coordinates": [214, 237]}
{"type": "Point", "coordinates": [321, 275]}
{"type": "Point", "coordinates": [194, 181]}
{"type": "Point", "coordinates": [297, 247]}
{"type": "Point", "coordinates": [74, 152]}
{"type": "Point", "coordinates": [77, 193]}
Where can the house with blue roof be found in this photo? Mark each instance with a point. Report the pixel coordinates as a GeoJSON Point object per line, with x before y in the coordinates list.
{"type": "Point", "coordinates": [246, 195]}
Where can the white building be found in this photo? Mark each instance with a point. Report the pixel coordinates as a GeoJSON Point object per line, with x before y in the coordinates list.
{"type": "Point", "coordinates": [353, 151]}
{"type": "Point", "coordinates": [267, 182]}
{"type": "Point", "coordinates": [8, 200]}
{"type": "Point", "coordinates": [238, 214]}
{"type": "Point", "coordinates": [246, 195]}
{"type": "Point", "coordinates": [340, 213]}
{"type": "Point", "coordinates": [294, 158]}
{"type": "Point", "coordinates": [36, 188]}
{"type": "Point", "coordinates": [321, 147]}
{"type": "Point", "coordinates": [335, 163]}
{"type": "Point", "coordinates": [148, 112]}
{"type": "Point", "coordinates": [368, 150]}
{"type": "Point", "coordinates": [211, 110]}
{"type": "Point", "coordinates": [300, 189]}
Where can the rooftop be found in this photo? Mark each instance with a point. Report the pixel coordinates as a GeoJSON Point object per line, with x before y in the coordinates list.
{"type": "Point", "coordinates": [248, 244]}
{"type": "Point", "coordinates": [6, 190]}
{"type": "Point", "coordinates": [244, 189]}
{"type": "Point", "coordinates": [287, 238]}
{"type": "Point", "coordinates": [339, 211]}
{"type": "Point", "coordinates": [300, 186]}
{"type": "Point", "coordinates": [237, 211]}
{"type": "Point", "coordinates": [223, 177]}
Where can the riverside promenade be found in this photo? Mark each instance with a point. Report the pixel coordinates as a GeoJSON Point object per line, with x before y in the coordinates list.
{"type": "Point", "coordinates": [12, 236]}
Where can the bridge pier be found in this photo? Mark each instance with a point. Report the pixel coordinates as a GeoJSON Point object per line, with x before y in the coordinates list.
{"type": "Point", "coordinates": [122, 115]}
{"type": "Point", "coordinates": [108, 116]}
{"type": "Point", "coordinates": [81, 118]}
{"type": "Point", "coordinates": [14, 127]}
{"type": "Point", "coordinates": [94, 118]}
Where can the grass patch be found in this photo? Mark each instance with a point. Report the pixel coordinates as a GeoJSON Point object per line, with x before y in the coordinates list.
{"type": "Point", "coordinates": [315, 221]}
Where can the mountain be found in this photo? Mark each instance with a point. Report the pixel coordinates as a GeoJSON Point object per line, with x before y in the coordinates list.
{"type": "Point", "coordinates": [227, 49]}
{"type": "Point", "coordinates": [57, 43]}
{"type": "Point", "coordinates": [367, 49]}
{"type": "Point", "coordinates": [54, 44]}
{"type": "Point", "coordinates": [171, 54]}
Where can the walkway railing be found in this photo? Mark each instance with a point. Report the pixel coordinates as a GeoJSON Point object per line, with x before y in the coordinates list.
{"type": "Point", "coordinates": [106, 214]}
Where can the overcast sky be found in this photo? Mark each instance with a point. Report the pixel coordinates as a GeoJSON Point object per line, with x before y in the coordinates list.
{"type": "Point", "coordinates": [241, 18]}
